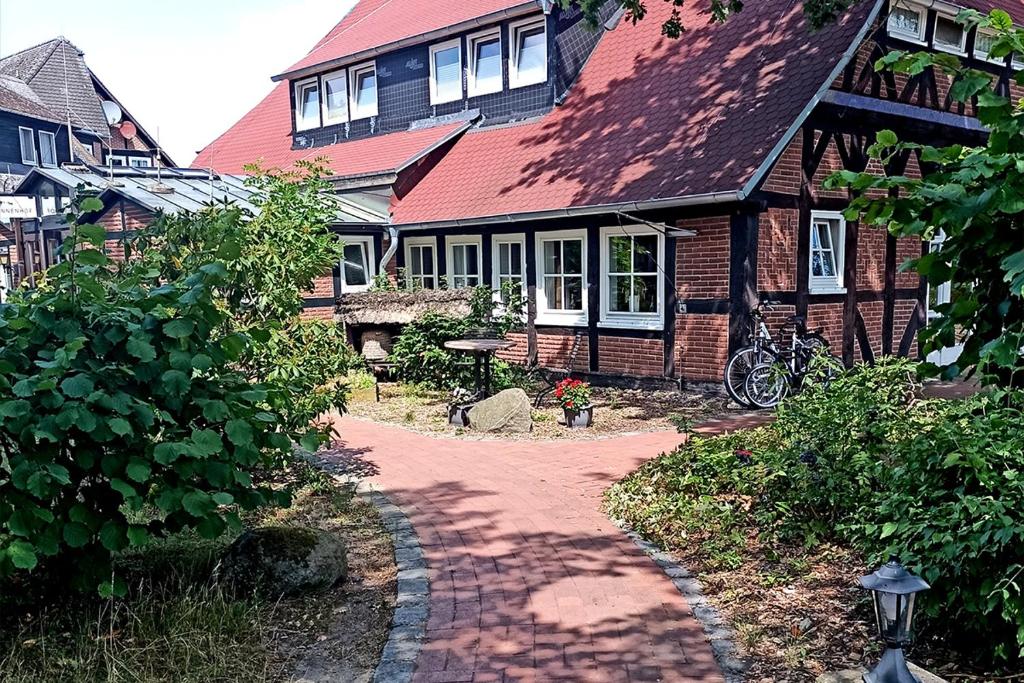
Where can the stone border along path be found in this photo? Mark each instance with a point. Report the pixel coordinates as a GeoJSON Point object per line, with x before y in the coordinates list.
{"type": "Point", "coordinates": [524, 578]}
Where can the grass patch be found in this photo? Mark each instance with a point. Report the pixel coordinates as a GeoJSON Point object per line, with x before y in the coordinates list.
{"type": "Point", "coordinates": [176, 625]}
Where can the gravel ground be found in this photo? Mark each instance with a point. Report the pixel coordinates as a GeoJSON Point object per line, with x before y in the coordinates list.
{"type": "Point", "coordinates": [616, 412]}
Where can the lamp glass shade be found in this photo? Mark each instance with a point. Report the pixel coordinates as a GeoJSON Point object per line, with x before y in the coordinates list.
{"type": "Point", "coordinates": [895, 616]}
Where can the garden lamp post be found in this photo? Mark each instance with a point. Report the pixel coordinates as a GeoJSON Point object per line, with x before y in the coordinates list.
{"type": "Point", "coordinates": [893, 589]}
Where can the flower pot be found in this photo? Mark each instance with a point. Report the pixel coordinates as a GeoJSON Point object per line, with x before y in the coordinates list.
{"type": "Point", "coordinates": [458, 415]}
{"type": "Point", "coordinates": [579, 418]}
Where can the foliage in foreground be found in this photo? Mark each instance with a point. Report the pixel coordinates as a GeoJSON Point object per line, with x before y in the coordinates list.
{"type": "Point", "coordinates": [867, 465]}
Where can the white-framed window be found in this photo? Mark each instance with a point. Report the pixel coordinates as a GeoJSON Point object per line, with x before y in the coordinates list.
{"type": "Point", "coordinates": [983, 42]}
{"type": "Point", "coordinates": [907, 22]}
{"type": "Point", "coordinates": [485, 73]}
{"type": "Point", "coordinates": [140, 162]}
{"type": "Point", "coordinates": [421, 262]}
{"type": "Point", "coordinates": [446, 72]}
{"type": "Point", "coordinates": [465, 263]}
{"type": "Point", "coordinates": [28, 146]}
{"type": "Point", "coordinates": [562, 277]}
{"type": "Point", "coordinates": [1017, 61]}
{"type": "Point", "coordinates": [632, 294]}
{"type": "Point", "coordinates": [307, 104]}
{"type": "Point", "coordinates": [508, 256]}
{"type": "Point", "coordinates": [47, 149]}
{"type": "Point", "coordinates": [357, 264]}
{"type": "Point", "coordinates": [335, 97]}
{"type": "Point", "coordinates": [828, 247]}
{"type": "Point", "coordinates": [528, 59]}
{"type": "Point", "coordinates": [117, 160]}
{"type": "Point", "coordinates": [363, 91]}
{"type": "Point", "coordinates": [950, 36]}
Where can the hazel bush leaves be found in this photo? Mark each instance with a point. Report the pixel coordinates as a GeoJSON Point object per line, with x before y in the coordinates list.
{"type": "Point", "coordinates": [124, 412]}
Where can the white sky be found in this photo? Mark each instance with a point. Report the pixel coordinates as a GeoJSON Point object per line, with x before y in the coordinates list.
{"type": "Point", "coordinates": [189, 68]}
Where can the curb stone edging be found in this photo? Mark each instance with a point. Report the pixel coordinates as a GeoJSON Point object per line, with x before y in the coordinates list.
{"type": "Point", "coordinates": [412, 601]}
{"type": "Point", "coordinates": [719, 634]}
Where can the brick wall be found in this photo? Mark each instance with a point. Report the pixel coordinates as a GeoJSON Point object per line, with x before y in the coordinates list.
{"type": "Point", "coordinates": [871, 259]}
{"type": "Point", "coordinates": [520, 352]}
{"type": "Point", "coordinates": [776, 250]}
{"type": "Point", "coordinates": [702, 262]}
{"type": "Point", "coordinates": [627, 356]}
{"type": "Point", "coordinates": [323, 288]}
{"type": "Point", "coordinates": [318, 313]}
{"type": "Point", "coordinates": [903, 312]}
{"type": "Point", "coordinates": [786, 176]}
{"type": "Point", "coordinates": [872, 312]}
{"type": "Point", "coordinates": [554, 346]}
{"type": "Point", "coordinates": [702, 346]}
{"type": "Point", "coordinates": [830, 318]}
{"type": "Point", "coordinates": [907, 248]}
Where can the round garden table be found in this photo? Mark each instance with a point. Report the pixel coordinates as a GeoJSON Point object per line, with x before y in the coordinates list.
{"type": "Point", "coordinates": [483, 351]}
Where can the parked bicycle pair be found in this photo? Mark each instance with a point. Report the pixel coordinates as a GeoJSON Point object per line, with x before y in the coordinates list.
{"type": "Point", "coordinates": [762, 373]}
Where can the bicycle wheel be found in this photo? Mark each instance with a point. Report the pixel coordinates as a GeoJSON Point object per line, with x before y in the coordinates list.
{"type": "Point", "coordinates": [736, 370]}
{"type": "Point", "coordinates": [767, 384]}
{"type": "Point", "coordinates": [822, 368]}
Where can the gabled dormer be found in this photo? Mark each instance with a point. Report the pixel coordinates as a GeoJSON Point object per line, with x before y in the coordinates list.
{"type": "Point", "coordinates": [507, 65]}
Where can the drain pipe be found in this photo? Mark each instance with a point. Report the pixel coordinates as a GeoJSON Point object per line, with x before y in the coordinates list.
{"type": "Point", "coordinates": [392, 248]}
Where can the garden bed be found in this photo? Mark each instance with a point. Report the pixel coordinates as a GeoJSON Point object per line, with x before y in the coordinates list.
{"type": "Point", "coordinates": [177, 626]}
{"type": "Point", "coordinates": [616, 412]}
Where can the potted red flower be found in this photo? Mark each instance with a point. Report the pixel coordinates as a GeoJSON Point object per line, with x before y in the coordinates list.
{"type": "Point", "coordinates": [574, 396]}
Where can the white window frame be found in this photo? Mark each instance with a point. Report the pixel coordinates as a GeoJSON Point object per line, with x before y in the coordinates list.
{"type": "Point", "coordinates": [148, 162]}
{"type": "Point", "coordinates": [983, 54]}
{"type": "Point", "coordinates": [111, 158]}
{"type": "Point", "coordinates": [507, 238]}
{"type": "Point", "coordinates": [922, 24]}
{"type": "Point", "coordinates": [299, 89]}
{"type": "Point", "coordinates": [625, 319]}
{"type": "Point", "coordinates": [366, 241]}
{"type": "Point", "coordinates": [53, 148]}
{"type": "Point", "coordinates": [558, 317]}
{"type": "Point", "coordinates": [30, 160]}
{"type": "Point", "coordinates": [1017, 61]}
{"type": "Point", "coordinates": [325, 114]}
{"type": "Point", "coordinates": [472, 88]}
{"type": "Point", "coordinates": [435, 98]}
{"type": "Point", "coordinates": [514, 29]}
{"type": "Point", "coordinates": [823, 284]}
{"type": "Point", "coordinates": [411, 242]}
{"type": "Point", "coordinates": [354, 112]}
{"type": "Point", "coordinates": [960, 49]}
{"type": "Point", "coordinates": [453, 241]}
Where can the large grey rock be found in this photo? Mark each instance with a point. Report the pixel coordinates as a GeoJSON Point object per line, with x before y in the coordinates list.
{"type": "Point", "coordinates": [509, 412]}
{"type": "Point", "coordinates": [283, 561]}
{"type": "Point", "coordinates": [857, 676]}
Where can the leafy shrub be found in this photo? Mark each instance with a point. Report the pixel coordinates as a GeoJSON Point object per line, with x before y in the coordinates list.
{"type": "Point", "coordinates": [124, 415]}
{"type": "Point", "coordinates": [952, 506]}
{"type": "Point", "coordinates": [868, 464]}
{"type": "Point", "coordinates": [419, 354]}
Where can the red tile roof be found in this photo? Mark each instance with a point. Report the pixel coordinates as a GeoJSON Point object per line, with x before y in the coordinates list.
{"type": "Point", "coordinates": [1015, 8]}
{"type": "Point", "coordinates": [264, 134]}
{"type": "Point", "coordinates": [375, 23]}
{"type": "Point", "coordinates": [650, 118]}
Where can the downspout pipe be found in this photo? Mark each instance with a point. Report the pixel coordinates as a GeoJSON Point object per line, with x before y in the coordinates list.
{"type": "Point", "coordinates": [393, 233]}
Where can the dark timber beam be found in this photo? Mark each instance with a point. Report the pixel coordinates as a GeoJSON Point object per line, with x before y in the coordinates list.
{"type": "Point", "coordinates": [743, 236]}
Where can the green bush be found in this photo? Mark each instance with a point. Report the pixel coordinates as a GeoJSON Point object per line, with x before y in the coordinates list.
{"type": "Point", "coordinates": [124, 416]}
{"type": "Point", "coordinates": [867, 464]}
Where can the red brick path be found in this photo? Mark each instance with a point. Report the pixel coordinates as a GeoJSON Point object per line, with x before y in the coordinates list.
{"type": "Point", "coordinates": [529, 580]}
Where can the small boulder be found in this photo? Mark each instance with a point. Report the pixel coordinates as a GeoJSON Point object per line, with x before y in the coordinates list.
{"type": "Point", "coordinates": [509, 412]}
{"type": "Point", "coordinates": [280, 561]}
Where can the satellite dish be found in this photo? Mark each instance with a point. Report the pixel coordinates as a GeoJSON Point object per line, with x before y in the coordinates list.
{"type": "Point", "coordinates": [128, 130]}
{"type": "Point", "coordinates": [112, 112]}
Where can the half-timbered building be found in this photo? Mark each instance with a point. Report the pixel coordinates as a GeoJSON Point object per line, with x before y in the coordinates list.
{"type": "Point", "coordinates": [646, 193]}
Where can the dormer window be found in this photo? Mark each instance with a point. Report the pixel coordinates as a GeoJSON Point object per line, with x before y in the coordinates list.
{"type": "Point", "coordinates": [907, 22]}
{"type": "Point", "coordinates": [335, 88]}
{"type": "Point", "coordinates": [363, 101]}
{"type": "Point", "coordinates": [528, 63]}
{"type": "Point", "coordinates": [307, 104]}
{"type": "Point", "coordinates": [485, 75]}
{"type": "Point", "coordinates": [949, 35]}
{"type": "Point", "coordinates": [446, 72]}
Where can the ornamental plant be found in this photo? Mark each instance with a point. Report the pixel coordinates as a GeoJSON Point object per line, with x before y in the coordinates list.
{"type": "Point", "coordinates": [573, 394]}
{"type": "Point", "coordinates": [126, 413]}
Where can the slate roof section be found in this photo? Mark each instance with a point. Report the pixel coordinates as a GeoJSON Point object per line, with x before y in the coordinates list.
{"type": "Point", "coordinates": [649, 118]}
{"type": "Point", "coordinates": [52, 69]}
{"type": "Point", "coordinates": [378, 23]}
{"type": "Point", "coordinates": [264, 134]}
{"type": "Point", "coordinates": [17, 97]}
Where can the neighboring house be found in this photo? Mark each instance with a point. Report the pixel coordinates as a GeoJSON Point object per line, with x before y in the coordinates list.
{"type": "Point", "coordinates": [133, 197]}
{"type": "Point", "coordinates": [645, 192]}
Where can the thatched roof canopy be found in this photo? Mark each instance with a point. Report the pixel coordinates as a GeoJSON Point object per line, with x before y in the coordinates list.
{"type": "Point", "coordinates": [401, 308]}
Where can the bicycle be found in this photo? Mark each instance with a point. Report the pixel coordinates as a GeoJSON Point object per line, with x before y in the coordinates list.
{"type": "Point", "coordinates": [746, 358]}
{"type": "Point", "coordinates": [806, 362]}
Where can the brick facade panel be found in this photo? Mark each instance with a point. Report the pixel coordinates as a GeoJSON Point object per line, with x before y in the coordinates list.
{"type": "Point", "coordinates": [776, 257]}
{"type": "Point", "coordinates": [635, 357]}
{"type": "Point", "coordinates": [555, 345]}
{"type": "Point", "coordinates": [702, 262]}
{"type": "Point", "coordinates": [702, 346]}
{"type": "Point", "coordinates": [786, 176]}
{"type": "Point", "coordinates": [519, 353]}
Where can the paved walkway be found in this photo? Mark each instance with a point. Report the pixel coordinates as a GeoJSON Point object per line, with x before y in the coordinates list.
{"type": "Point", "coordinates": [528, 579]}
